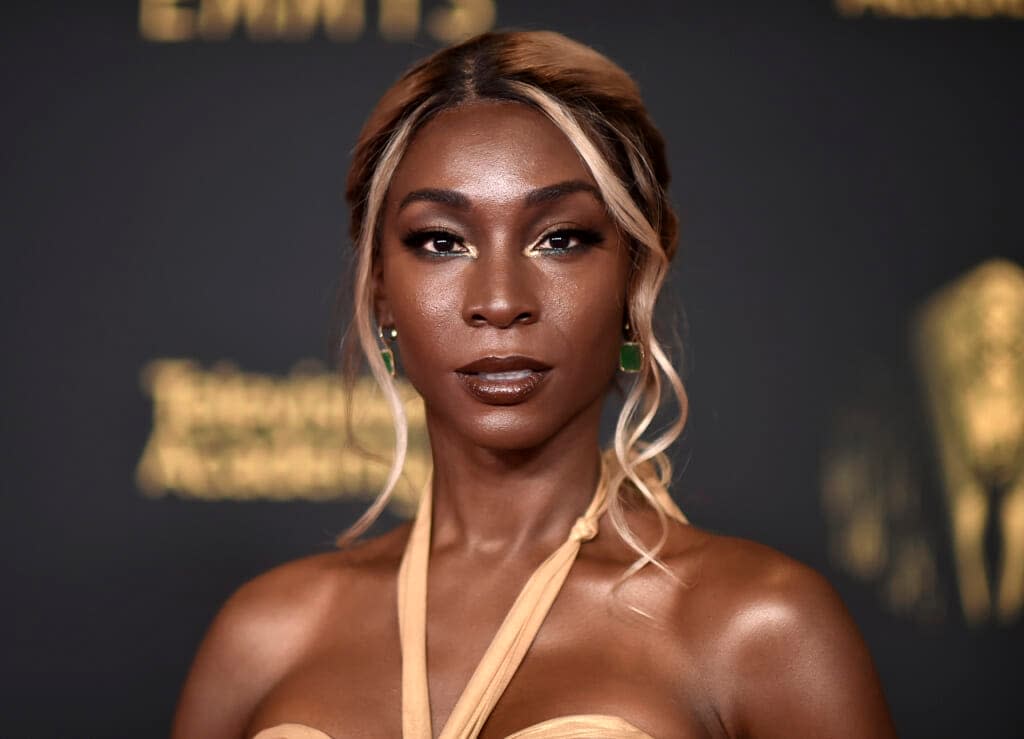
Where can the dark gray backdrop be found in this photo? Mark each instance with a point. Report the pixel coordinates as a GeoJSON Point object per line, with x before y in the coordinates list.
{"type": "Point", "coordinates": [185, 200]}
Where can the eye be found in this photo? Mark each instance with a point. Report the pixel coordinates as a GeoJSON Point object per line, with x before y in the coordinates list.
{"type": "Point", "coordinates": [436, 242]}
{"type": "Point", "coordinates": [566, 239]}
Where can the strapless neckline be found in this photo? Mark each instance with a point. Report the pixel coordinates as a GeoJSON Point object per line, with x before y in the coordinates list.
{"type": "Point", "coordinates": [505, 652]}
{"type": "Point", "coordinates": [591, 726]}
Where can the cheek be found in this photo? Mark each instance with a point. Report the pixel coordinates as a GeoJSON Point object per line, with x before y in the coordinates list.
{"type": "Point", "coordinates": [588, 310]}
{"type": "Point", "coordinates": [425, 310]}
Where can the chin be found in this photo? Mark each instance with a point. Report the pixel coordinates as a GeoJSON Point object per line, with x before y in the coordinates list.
{"type": "Point", "coordinates": [531, 425]}
{"type": "Point", "coordinates": [509, 430]}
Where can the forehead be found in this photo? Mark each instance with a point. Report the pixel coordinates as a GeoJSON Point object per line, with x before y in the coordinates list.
{"type": "Point", "coordinates": [488, 150]}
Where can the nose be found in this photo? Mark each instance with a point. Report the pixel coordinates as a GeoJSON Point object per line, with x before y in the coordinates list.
{"type": "Point", "coordinates": [501, 291]}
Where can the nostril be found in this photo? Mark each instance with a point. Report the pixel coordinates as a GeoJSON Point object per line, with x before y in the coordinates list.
{"type": "Point", "coordinates": [500, 314]}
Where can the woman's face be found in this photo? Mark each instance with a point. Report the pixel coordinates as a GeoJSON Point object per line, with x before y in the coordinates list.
{"type": "Point", "coordinates": [504, 275]}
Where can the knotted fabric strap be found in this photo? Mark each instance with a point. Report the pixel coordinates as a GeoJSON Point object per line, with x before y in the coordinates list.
{"type": "Point", "coordinates": [510, 643]}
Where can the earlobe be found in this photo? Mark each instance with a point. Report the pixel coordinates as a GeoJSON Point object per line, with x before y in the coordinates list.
{"type": "Point", "coordinates": [386, 331]}
{"type": "Point", "coordinates": [381, 304]}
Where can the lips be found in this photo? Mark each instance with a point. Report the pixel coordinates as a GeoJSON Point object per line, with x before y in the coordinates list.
{"type": "Point", "coordinates": [503, 380]}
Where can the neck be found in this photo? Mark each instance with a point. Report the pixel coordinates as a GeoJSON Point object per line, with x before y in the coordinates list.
{"type": "Point", "coordinates": [500, 502]}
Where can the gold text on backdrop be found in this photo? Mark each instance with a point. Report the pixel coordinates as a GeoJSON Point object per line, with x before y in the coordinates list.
{"type": "Point", "coordinates": [933, 8]}
{"type": "Point", "coordinates": [297, 20]}
{"type": "Point", "coordinates": [224, 434]}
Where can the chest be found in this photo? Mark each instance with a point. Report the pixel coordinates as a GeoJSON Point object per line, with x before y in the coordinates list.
{"type": "Point", "coordinates": [587, 658]}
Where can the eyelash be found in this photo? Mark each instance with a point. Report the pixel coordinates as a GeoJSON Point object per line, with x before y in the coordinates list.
{"type": "Point", "coordinates": [418, 240]}
{"type": "Point", "coordinates": [584, 237]}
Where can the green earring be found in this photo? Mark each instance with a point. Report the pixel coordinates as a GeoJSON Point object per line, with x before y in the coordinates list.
{"type": "Point", "coordinates": [631, 355]}
{"type": "Point", "coordinates": [387, 336]}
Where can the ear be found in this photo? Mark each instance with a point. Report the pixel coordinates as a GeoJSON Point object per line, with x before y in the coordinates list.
{"type": "Point", "coordinates": [381, 305]}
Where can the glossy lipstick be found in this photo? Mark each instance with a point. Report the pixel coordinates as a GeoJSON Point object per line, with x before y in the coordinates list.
{"type": "Point", "coordinates": [503, 380]}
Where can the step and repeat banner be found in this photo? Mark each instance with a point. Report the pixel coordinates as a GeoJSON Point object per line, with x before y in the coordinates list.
{"type": "Point", "coordinates": [849, 294]}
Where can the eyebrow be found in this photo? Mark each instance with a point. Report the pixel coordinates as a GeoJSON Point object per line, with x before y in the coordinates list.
{"type": "Point", "coordinates": [554, 192]}
{"type": "Point", "coordinates": [540, 196]}
{"type": "Point", "coordinates": [433, 195]}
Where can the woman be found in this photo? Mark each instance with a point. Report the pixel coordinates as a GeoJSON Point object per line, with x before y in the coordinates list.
{"type": "Point", "coordinates": [510, 216]}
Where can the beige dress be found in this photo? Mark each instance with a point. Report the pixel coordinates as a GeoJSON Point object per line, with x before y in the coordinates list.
{"type": "Point", "coordinates": [503, 656]}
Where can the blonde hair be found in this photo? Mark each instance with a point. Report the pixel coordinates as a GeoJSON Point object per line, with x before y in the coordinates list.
{"type": "Point", "coordinates": [599, 109]}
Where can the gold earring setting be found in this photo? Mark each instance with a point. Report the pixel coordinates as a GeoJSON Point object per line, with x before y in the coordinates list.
{"type": "Point", "coordinates": [387, 335]}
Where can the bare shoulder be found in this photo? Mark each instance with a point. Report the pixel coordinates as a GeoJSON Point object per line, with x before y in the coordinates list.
{"type": "Point", "coordinates": [758, 585]}
{"type": "Point", "coordinates": [782, 655]}
{"type": "Point", "coordinates": [275, 613]}
{"type": "Point", "coordinates": [268, 625]}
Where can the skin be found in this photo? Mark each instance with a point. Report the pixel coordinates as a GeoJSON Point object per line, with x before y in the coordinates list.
{"type": "Point", "coordinates": [753, 644]}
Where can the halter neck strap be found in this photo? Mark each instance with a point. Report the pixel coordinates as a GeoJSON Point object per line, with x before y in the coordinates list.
{"type": "Point", "coordinates": [509, 645]}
